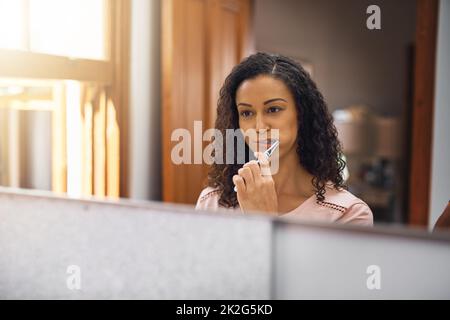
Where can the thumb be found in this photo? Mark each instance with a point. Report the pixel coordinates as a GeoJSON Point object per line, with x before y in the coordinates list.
{"type": "Point", "coordinates": [263, 163]}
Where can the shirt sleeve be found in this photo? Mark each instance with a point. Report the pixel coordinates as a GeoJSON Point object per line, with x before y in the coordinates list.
{"type": "Point", "coordinates": [358, 214]}
{"type": "Point", "coordinates": [208, 200]}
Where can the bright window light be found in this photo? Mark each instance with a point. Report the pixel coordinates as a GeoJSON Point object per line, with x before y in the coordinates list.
{"type": "Point", "coordinates": [74, 28]}
{"type": "Point", "coordinates": [12, 24]}
{"type": "Point", "coordinates": [74, 139]}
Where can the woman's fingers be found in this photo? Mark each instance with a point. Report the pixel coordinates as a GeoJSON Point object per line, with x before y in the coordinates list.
{"type": "Point", "coordinates": [239, 183]}
{"type": "Point", "coordinates": [256, 171]}
{"type": "Point", "coordinates": [247, 175]}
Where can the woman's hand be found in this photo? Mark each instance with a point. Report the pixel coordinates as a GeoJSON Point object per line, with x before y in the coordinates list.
{"type": "Point", "coordinates": [255, 186]}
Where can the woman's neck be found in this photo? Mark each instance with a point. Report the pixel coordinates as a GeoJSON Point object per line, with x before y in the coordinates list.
{"type": "Point", "coordinates": [292, 178]}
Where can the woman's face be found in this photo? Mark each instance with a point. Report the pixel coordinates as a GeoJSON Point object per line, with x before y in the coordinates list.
{"type": "Point", "coordinates": [265, 103]}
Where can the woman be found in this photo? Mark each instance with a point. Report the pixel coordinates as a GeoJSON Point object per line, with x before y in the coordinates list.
{"type": "Point", "coordinates": [266, 92]}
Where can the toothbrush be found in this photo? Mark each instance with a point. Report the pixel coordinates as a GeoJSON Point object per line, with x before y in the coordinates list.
{"type": "Point", "coordinates": [268, 153]}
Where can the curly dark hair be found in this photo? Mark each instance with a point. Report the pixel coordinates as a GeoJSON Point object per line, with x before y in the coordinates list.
{"type": "Point", "coordinates": [318, 147]}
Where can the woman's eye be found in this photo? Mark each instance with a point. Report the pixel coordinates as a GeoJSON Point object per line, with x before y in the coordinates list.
{"type": "Point", "coordinates": [273, 109]}
{"type": "Point", "coordinates": [246, 113]}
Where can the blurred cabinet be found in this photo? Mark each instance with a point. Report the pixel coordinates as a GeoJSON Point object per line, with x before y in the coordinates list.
{"type": "Point", "coordinates": [201, 41]}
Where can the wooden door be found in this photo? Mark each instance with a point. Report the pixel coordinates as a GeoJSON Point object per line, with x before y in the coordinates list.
{"type": "Point", "coordinates": [422, 113]}
{"type": "Point", "coordinates": [202, 41]}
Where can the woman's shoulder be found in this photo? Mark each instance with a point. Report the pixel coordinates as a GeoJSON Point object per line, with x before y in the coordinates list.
{"type": "Point", "coordinates": [208, 199]}
{"type": "Point", "coordinates": [341, 197]}
{"type": "Point", "coordinates": [353, 209]}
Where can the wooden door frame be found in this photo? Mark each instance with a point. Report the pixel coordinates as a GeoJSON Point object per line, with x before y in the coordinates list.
{"type": "Point", "coordinates": [423, 112]}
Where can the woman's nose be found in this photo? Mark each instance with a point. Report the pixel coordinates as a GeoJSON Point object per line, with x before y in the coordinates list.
{"type": "Point", "coordinates": [261, 123]}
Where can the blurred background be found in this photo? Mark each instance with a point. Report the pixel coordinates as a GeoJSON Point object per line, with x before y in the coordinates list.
{"type": "Point", "coordinates": [91, 91]}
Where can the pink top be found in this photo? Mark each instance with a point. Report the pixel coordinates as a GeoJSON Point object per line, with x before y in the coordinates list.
{"type": "Point", "coordinates": [338, 207]}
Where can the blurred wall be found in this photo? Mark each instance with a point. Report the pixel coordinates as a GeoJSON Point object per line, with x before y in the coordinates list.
{"type": "Point", "coordinates": [161, 251]}
{"type": "Point", "coordinates": [145, 101]}
{"type": "Point", "coordinates": [440, 174]}
{"type": "Point", "coordinates": [351, 64]}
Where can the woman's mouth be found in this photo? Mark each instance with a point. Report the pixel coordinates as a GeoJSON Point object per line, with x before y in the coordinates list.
{"type": "Point", "coordinates": [264, 144]}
